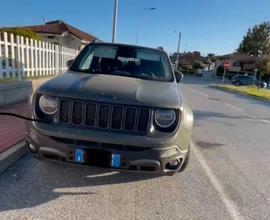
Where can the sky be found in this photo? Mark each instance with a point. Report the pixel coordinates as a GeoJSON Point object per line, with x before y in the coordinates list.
{"type": "Point", "coordinates": [208, 26]}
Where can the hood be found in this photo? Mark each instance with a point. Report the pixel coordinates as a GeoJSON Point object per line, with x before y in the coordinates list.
{"type": "Point", "coordinates": [113, 89]}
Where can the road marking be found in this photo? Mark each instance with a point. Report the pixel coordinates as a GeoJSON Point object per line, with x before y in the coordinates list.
{"type": "Point", "coordinates": [251, 116]}
{"type": "Point", "coordinates": [234, 107]}
{"type": "Point", "coordinates": [265, 121]}
{"type": "Point", "coordinates": [103, 174]}
{"type": "Point", "coordinates": [230, 205]}
{"type": "Point", "coordinates": [195, 90]}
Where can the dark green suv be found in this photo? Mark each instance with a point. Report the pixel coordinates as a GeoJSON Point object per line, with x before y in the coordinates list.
{"type": "Point", "coordinates": [247, 80]}
{"type": "Point", "coordinates": [118, 106]}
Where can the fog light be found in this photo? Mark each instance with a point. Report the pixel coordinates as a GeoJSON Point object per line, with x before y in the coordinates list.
{"type": "Point", "coordinates": [174, 164]}
{"type": "Point", "coordinates": [32, 147]}
{"type": "Point", "coordinates": [33, 136]}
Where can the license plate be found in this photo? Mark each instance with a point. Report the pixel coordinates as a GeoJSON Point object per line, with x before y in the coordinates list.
{"type": "Point", "coordinates": [79, 155]}
{"type": "Point", "coordinates": [116, 159]}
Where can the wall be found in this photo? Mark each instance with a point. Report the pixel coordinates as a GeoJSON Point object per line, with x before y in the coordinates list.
{"type": "Point", "coordinates": [66, 40]}
{"type": "Point", "coordinates": [15, 92]}
{"type": "Point", "coordinates": [231, 68]}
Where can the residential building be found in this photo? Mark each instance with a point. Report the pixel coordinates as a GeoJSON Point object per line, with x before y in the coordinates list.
{"type": "Point", "coordinates": [187, 58]}
{"type": "Point", "coordinates": [238, 62]}
{"type": "Point", "coordinates": [61, 33]}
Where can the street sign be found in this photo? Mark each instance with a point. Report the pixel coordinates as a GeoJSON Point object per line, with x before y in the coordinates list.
{"type": "Point", "coordinates": [226, 65]}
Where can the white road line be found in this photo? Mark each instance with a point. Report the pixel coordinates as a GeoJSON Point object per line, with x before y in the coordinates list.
{"type": "Point", "coordinates": [231, 207]}
{"type": "Point", "coordinates": [195, 90]}
{"type": "Point", "coordinates": [232, 106]}
{"type": "Point", "coordinates": [265, 121]}
{"type": "Point", "coordinates": [251, 116]}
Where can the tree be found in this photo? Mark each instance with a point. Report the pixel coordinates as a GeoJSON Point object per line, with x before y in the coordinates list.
{"type": "Point", "coordinates": [220, 71]}
{"type": "Point", "coordinates": [256, 41]}
{"type": "Point", "coordinates": [264, 66]}
{"type": "Point", "coordinates": [198, 65]}
{"type": "Point", "coordinates": [211, 57]}
{"type": "Point", "coordinates": [186, 68]}
{"type": "Point", "coordinates": [22, 32]}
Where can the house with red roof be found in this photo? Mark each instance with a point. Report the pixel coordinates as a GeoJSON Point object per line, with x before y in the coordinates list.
{"type": "Point", "coordinates": [61, 33]}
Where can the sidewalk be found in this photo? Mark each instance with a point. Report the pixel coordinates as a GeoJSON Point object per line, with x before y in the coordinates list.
{"type": "Point", "coordinates": [12, 130]}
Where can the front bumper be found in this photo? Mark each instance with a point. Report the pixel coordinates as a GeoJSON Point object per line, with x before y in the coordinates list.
{"type": "Point", "coordinates": [133, 158]}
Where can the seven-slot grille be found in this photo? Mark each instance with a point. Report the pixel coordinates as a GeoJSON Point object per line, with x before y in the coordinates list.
{"type": "Point", "coordinates": [106, 116]}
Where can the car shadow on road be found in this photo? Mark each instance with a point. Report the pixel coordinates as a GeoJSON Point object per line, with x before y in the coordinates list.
{"type": "Point", "coordinates": [31, 182]}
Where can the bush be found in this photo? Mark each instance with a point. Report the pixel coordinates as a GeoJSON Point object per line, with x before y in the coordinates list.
{"type": "Point", "coordinates": [22, 32]}
{"type": "Point", "coordinates": [197, 65]}
{"type": "Point", "coordinates": [186, 69]}
{"type": "Point", "coordinates": [220, 71]}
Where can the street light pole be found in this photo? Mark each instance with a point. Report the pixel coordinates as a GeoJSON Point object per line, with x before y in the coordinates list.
{"type": "Point", "coordinates": [141, 11]}
{"type": "Point", "coordinates": [115, 21]}
{"type": "Point", "coordinates": [178, 49]}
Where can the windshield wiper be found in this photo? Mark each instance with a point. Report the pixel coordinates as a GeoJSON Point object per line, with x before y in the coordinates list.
{"type": "Point", "coordinates": [81, 71]}
{"type": "Point", "coordinates": [121, 73]}
{"type": "Point", "coordinates": [145, 76]}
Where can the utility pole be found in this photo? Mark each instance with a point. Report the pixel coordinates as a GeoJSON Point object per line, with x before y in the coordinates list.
{"type": "Point", "coordinates": [223, 76]}
{"type": "Point", "coordinates": [115, 21]}
{"type": "Point", "coordinates": [254, 76]}
{"type": "Point", "coordinates": [140, 12]}
{"type": "Point", "coordinates": [226, 66]}
{"type": "Point", "coordinates": [178, 49]}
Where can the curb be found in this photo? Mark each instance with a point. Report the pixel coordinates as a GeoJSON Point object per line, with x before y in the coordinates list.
{"type": "Point", "coordinates": [11, 155]}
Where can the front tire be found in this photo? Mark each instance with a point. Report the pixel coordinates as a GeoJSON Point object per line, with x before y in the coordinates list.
{"type": "Point", "coordinates": [237, 83]}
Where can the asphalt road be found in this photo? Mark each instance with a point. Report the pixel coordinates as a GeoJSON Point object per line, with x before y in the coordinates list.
{"type": "Point", "coordinates": [228, 176]}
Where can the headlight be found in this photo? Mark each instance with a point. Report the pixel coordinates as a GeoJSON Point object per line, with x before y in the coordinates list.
{"type": "Point", "coordinates": [48, 104]}
{"type": "Point", "coordinates": [165, 118]}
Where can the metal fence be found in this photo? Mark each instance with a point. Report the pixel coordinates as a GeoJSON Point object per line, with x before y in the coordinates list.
{"type": "Point", "coordinates": [24, 57]}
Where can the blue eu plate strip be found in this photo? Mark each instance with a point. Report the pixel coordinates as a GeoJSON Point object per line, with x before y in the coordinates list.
{"type": "Point", "coordinates": [116, 160]}
{"type": "Point", "coordinates": [79, 155]}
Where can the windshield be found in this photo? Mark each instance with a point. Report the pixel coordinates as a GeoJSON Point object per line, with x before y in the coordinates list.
{"type": "Point", "coordinates": [124, 61]}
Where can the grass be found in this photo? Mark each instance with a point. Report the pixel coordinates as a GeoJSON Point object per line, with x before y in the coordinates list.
{"type": "Point", "coordinates": [12, 80]}
{"type": "Point", "coordinates": [8, 80]}
{"type": "Point", "coordinates": [252, 91]}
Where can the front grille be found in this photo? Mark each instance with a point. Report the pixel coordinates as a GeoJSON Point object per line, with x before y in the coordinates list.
{"type": "Point", "coordinates": [64, 111]}
{"type": "Point", "coordinates": [104, 116]}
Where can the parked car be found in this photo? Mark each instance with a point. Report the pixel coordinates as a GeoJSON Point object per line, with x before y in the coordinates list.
{"type": "Point", "coordinates": [118, 106]}
{"type": "Point", "coordinates": [247, 80]}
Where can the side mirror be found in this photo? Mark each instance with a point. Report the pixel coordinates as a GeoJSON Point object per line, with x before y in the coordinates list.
{"type": "Point", "coordinates": [179, 76]}
{"type": "Point", "coordinates": [69, 62]}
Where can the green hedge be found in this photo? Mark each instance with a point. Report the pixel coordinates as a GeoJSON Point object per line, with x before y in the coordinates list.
{"type": "Point", "coordinates": [22, 32]}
